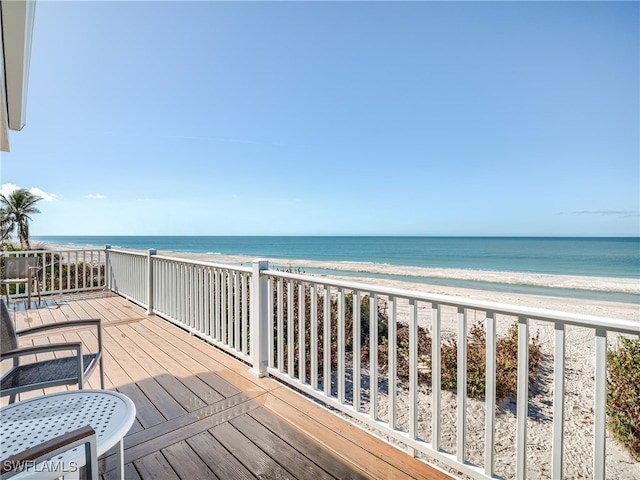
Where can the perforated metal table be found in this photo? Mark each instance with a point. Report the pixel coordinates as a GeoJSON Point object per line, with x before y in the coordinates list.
{"type": "Point", "coordinates": [31, 422]}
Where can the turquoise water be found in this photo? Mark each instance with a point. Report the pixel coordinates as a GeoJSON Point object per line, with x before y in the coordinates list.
{"type": "Point", "coordinates": [605, 257]}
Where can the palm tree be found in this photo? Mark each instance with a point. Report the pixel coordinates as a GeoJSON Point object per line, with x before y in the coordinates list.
{"type": "Point", "coordinates": [6, 227]}
{"type": "Point", "coordinates": [15, 209]}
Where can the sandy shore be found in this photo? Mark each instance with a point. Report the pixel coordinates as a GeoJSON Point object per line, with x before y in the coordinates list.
{"type": "Point", "coordinates": [579, 365]}
{"type": "Point", "coordinates": [603, 284]}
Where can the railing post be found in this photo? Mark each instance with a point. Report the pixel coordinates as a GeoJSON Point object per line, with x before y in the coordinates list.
{"type": "Point", "coordinates": [600, 405]}
{"type": "Point", "coordinates": [259, 327]}
{"type": "Point", "coordinates": [107, 269]}
{"type": "Point", "coordinates": [522, 397]}
{"type": "Point", "coordinates": [150, 253]}
{"type": "Point", "coordinates": [490, 397]}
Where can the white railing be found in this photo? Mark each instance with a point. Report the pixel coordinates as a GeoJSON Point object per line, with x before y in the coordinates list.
{"type": "Point", "coordinates": [311, 333]}
{"type": "Point", "coordinates": [63, 271]}
{"type": "Point", "coordinates": [303, 303]}
{"type": "Point", "coordinates": [127, 275]}
{"type": "Point", "coordinates": [209, 300]}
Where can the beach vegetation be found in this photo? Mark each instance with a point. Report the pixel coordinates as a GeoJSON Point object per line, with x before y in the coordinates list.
{"type": "Point", "coordinates": [506, 360]}
{"type": "Point", "coordinates": [57, 273]}
{"type": "Point", "coordinates": [623, 394]}
{"type": "Point", "coordinates": [506, 346]}
{"type": "Point", "coordinates": [65, 276]}
{"type": "Point", "coordinates": [15, 210]}
{"type": "Point", "coordinates": [11, 246]}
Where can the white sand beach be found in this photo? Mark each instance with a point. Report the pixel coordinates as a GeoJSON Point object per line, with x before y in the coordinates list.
{"type": "Point", "coordinates": [579, 365]}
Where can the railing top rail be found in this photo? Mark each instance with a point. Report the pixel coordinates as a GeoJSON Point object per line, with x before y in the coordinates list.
{"type": "Point", "coordinates": [5, 253]}
{"type": "Point", "coordinates": [225, 266]}
{"type": "Point", "coordinates": [201, 263]}
{"type": "Point", "coordinates": [128, 252]}
{"type": "Point", "coordinates": [589, 321]}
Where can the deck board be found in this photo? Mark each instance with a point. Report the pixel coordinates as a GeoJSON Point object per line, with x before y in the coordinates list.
{"type": "Point", "coordinates": [186, 462]}
{"type": "Point", "coordinates": [203, 414]}
{"type": "Point", "coordinates": [213, 453]}
{"type": "Point", "coordinates": [251, 456]}
{"type": "Point", "coordinates": [296, 463]}
{"type": "Point", "coordinates": [305, 445]}
{"type": "Point", "coordinates": [155, 466]}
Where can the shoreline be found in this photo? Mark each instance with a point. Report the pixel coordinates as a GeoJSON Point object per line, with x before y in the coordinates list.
{"type": "Point", "coordinates": [519, 267]}
{"type": "Point", "coordinates": [601, 284]}
{"type": "Point", "coordinates": [597, 307]}
{"type": "Point", "coordinates": [577, 282]}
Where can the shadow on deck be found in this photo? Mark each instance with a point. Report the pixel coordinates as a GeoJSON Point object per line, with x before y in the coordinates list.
{"type": "Point", "coordinates": [202, 414]}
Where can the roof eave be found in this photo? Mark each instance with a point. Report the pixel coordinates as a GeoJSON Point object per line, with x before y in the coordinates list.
{"type": "Point", "coordinates": [17, 33]}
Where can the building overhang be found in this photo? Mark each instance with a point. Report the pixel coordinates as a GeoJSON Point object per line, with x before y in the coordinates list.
{"type": "Point", "coordinates": [16, 25]}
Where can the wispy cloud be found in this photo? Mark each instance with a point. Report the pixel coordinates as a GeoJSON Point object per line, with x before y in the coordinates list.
{"type": "Point", "coordinates": [8, 188]}
{"type": "Point", "coordinates": [614, 213]}
{"type": "Point", "coordinates": [96, 196]}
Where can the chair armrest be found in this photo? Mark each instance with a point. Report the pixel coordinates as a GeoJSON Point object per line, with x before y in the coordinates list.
{"type": "Point", "coordinates": [35, 349]}
{"type": "Point", "coordinates": [54, 326]}
{"type": "Point", "coordinates": [46, 450]}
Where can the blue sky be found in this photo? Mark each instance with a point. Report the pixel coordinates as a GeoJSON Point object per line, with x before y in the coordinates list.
{"type": "Point", "coordinates": [313, 118]}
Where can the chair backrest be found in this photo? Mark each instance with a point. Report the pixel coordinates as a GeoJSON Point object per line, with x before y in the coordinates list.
{"type": "Point", "coordinates": [8, 337]}
{"type": "Point", "coordinates": [19, 267]}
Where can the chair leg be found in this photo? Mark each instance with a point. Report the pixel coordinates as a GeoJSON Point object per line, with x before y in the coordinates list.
{"type": "Point", "coordinates": [101, 374]}
{"type": "Point", "coordinates": [17, 297]}
{"type": "Point", "coordinates": [38, 289]}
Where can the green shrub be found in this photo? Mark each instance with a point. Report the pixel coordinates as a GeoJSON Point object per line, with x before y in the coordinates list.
{"type": "Point", "coordinates": [623, 394]}
{"type": "Point", "coordinates": [333, 320]}
{"type": "Point", "coordinates": [506, 360]}
{"type": "Point", "coordinates": [506, 347]}
{"type": "Point", "coordinates": [11, 247]}
{"type": "Point", "coordinates": [56, 274]}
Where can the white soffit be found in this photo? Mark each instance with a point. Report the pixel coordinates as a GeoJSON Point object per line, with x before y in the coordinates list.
{"type": "Point", "coordinates": [17, 33]}
{"type": "Point", "coordinates": [4, 123]}
{"type": "Point", "coordinates": [4, 126]}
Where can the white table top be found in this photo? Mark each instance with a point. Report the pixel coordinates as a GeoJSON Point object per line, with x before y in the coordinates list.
{"type": "Point", "coordinates": [33, 421]}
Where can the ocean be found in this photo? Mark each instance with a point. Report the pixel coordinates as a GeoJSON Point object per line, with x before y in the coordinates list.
{"type": "Point", "coordinates": [582, 256]}
{"type": "Point", "coordinates": [593, 257]}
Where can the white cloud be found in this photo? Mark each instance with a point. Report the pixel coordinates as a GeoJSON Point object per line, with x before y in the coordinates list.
{"type": "Point", "coordinates": [47, 197]}
{"type": "Point", "coordinates": [8, 188]}
{"type": "Point", "coordinates": [96, 196]}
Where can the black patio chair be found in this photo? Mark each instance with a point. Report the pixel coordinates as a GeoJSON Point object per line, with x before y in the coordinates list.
{"type": "Point", "coordinates": [66, 370]}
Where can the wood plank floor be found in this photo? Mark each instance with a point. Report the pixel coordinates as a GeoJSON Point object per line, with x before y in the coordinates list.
{"type": "Point", "coordinates": [201, 414]}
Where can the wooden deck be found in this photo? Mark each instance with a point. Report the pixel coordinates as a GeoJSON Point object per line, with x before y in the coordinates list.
{"type": "Point", "coordinates": [201, 414]}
